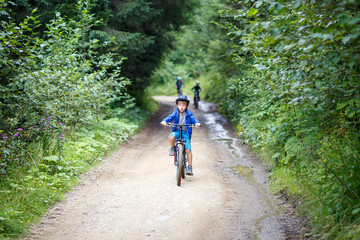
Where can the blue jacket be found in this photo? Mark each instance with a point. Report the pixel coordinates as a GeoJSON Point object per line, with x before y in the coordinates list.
{"type": "Point", "coordinates": [189, 119]}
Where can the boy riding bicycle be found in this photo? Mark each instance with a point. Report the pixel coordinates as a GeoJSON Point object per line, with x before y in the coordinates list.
{"type": "Point", "coordinates": [197, 89]}
{"type": "Point", "coordinates": [182, 115]}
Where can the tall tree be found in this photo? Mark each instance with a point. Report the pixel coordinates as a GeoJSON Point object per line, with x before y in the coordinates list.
{"type": "Point", "coordinates": [137, 30]}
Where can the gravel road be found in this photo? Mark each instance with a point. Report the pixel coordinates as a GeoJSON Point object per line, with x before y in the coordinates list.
{"type": "Point", "coordinates": [133, 194]}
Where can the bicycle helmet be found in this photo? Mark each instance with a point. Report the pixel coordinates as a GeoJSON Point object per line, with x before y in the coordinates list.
{"type": "Point", "coordinates": [182, 98]}
{"type": "Point", "coordinates": [197, 82]}
{"type": "Point", "coordinates": [178, 78]}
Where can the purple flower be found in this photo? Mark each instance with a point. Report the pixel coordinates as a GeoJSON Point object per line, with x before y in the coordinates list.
{"type": "Point", "coordinates": [49, 122]}
{"type": "Point", "coordinates": [61, 137]}
{"type": "Point", "coordinates": [50, 126]}
{"type": "Point", "coordinates": [36, 126]}
{"type": "Point", "coordinates": [48, 131]}
{"type": "Point", "coordinates": [16, 134]}
{"type": "Point", "coordinates": [43, 119]}
{"type": "Point", "coordinates": [46, 114]}
{"type": "Point", "coordinates": [4, 137]}
{"type": "Point", "coordinates": [20, 129]}
{"type": "Point", "coordinates": [52, 116]}
{"type": "Point", "coordinates": [61, 124]}
{"type": "Point", "coordinates": [44, 128]}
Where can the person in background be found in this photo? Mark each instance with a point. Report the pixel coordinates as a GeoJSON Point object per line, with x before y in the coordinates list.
{"type": "Point", "coordinates": [197, 89]}
{"type": "Point", "coordinates": [178, 85]}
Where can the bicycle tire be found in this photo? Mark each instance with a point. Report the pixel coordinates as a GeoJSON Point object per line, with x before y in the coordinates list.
{"type": "Point", "coordinates": [180, 166]}
{"type": "Point", "coordinates": [184, 167]}
{"type": "Point", "coordinates": [196, 101]}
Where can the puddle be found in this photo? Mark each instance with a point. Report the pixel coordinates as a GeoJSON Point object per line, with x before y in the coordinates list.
{"type": "Point", "coordinates": [216, 122]}
{"type": "Point", "coordinates": [244, 171]}
{"type": "Point", "coordinates": [229, 142]}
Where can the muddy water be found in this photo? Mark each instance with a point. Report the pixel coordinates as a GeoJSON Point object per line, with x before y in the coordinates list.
{"type": "Point", "coordinates": [246, 165]}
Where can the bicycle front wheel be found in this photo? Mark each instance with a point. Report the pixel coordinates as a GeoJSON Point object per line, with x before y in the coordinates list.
{"type": "Point", "coordinates": [180, 166]}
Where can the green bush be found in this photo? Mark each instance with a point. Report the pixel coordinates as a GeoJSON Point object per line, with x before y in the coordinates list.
{"type": "Point", "coordinates": [56, 113]}
{"type": "Point", "coordinates": [28, 194]}
{"type": "Point", "coordinates": [296, 101]}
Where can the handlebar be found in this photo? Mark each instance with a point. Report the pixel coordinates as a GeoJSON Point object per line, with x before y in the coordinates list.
{"type": "Point", "coordinates": [181, 125]}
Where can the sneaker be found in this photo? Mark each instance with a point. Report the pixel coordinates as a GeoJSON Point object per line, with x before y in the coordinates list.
{"type": "Point", "coordinates": [189, 171]}
{"type": "Point", "coordinates": [172, 151]}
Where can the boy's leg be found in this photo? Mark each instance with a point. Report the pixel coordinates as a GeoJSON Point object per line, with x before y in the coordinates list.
{"type": "Point", "coordinates": [172, 144]}
{"type": "Point", "coordinates": [188, 154]}
{"type": "Point", "coordinates": [172, 141]}
{"type": "Point", "coordinates": [189, 157]}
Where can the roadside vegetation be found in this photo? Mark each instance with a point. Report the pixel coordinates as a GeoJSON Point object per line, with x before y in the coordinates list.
{"type": "Point", "coordinates": [286, 73]}
{"type": "Point", "coordinates": [76, 76]}
{"type": "Point", "coordinates": [69, 95]}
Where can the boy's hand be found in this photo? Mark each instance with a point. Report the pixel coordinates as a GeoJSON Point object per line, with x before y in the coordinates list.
{"type": "Point", "coordinates": [163, 123]}
{"type": "Point", "coordinates": [198, 124]}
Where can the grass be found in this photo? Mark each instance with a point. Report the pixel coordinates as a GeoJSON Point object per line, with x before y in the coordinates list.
{"type": "Point", "coordinates": [27, 195]}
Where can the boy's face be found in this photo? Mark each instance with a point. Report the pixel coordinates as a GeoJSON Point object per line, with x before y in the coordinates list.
{"type": "Point", "coordinates": [182, 106]}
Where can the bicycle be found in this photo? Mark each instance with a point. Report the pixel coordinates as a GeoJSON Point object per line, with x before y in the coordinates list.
{"type": "Point", "coordinates": [180, 91]}
{"type": "Point", "coordinates": [180, 154]}
{"type": "Point", "coordinates": [196, 99]}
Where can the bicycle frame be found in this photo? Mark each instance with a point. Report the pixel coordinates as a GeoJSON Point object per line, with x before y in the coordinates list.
{"type": "Point", "coordinates": [180, 141]}
{"type": "Point", "coordinates": [180, 90]}
{"type": "Point", "coordinates": [180, 152]}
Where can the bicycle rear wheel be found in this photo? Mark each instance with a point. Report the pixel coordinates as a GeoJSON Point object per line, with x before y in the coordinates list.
{"type": "Point", "coordinates": [196, 101]}
{"type": "Point", "coordinates": [180, 166]}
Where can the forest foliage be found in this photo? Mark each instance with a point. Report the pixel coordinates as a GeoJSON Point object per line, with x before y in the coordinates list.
{"type": "Point", "coordinates": [289, 77]}
{"type": "Point", "coordinates": [71, 73]}
{"type": "Point", "coordinates": [285, 72]}
{"type": "Point", "coordinates": [297, 99]}
{"type": "Point", "coordinates": [52, 77]}
{"type": "Point", "coordinates": [136, 30]}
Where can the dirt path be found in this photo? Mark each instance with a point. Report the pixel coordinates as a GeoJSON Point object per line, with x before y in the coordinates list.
{"type": "Point", "coordinates": [133, 194]}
